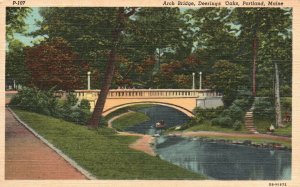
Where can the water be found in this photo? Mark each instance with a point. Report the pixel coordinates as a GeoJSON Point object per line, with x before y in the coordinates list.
{"type": "Point", "coordinates": [171, 117]}
{"type": "Point", "coordinates": [225, 161]}
{"type": "Point", "coordinates": [214, 160]}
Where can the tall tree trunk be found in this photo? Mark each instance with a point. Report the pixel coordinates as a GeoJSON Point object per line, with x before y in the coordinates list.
{"type": "Point", "coordinates": [109, 71]}
{"type": "Point", "coordinates": [277, 99]}
{"type": "Point", "coordinates": [254, 65]}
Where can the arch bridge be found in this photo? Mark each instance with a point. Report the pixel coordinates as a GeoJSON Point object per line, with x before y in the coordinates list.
{"type": "Point", "coordinates": [184, 100]}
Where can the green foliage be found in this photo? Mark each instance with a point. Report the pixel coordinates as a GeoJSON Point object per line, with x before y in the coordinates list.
{"type": "Point", "coordinates": [15, 20]}
{"type": "Point", "coordinates": [208, 113]}
{"type": "Point", "coordinates": [227, 122]}
{"type": "Point", "coordinates": [244, 104]}
{"type": "Point", "coordinates": [129, 120]}
{"type": "Point", "coordinates": [228, 98]}
{"type": "Point", "coordinates": [237, 125]}
{"type": "Point", "coordinates": [233, 116]}
{"type": "Point", "coordinates": [85, 104]}
{"type": "Point", "coordinates": [223, 122]}
{"type": "Point", "coordinates": [15, 64]}
{"type": "Point", "coordinates": [101, 151]}
{"type": "Point", "coordinates": [286, 91]}
{"type": "Point", "coordinates": [264, 109]}
{"type": "Point", "coordinates": [227, 78]}
{"type": "Point", "coordinates": [44, 102]}
{"type": "Point", "coordinates": [71, 100]}
{"type": "Point", "coordinates": [77, 115]}
{"type": "Point", "coordinates": [286, 103]}
{"type": "Point", "coordinates": [35, 100]}
{"type": "Point", "coordinates": [234, 112]}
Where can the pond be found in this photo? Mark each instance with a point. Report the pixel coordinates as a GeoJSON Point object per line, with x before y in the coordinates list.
{"type": "Point", "coordinates": [225, 161]}
{"type": "Point", "coordinates": [214, 160]}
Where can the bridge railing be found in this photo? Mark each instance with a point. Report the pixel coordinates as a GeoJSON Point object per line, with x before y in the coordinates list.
{"type": "Point", "coordinates": [146, 93]}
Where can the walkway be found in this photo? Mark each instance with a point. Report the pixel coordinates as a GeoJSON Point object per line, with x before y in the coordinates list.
{"type": "Point", "coordinates": [142, 144]}
{"type": "Point", "coordinates": [27, 157]}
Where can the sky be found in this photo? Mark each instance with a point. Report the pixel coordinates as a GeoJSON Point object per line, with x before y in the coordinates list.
{"type": "Point", "coordinates": [31, 23]}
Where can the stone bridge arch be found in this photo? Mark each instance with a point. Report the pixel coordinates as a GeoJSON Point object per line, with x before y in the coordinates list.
{"type": "Point", "coordinates": [179, 108]}
{"type": "Point", "coordinates": [184, 100]}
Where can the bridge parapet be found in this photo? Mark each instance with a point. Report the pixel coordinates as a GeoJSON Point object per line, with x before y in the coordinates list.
{"type": "Point", "coordinates": [145, 93]}
{"type": "Point", "coordinates": [181, 99]}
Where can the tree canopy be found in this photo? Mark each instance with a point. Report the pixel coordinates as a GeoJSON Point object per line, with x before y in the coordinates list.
{"type": "Point", "coordinates": [162, 47]}
{"type": "Point", "coordinates": [55, 64]}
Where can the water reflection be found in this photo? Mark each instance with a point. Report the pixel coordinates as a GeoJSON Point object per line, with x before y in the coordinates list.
{"type": "Point", "coordinates": [224, 161]}
{"type": "Point", "coordinates": [172, 117]}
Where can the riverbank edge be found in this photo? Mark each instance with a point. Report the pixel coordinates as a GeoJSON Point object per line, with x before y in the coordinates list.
{"type": "Point", "coordinates": [146, 143]}
{"type": "Point", "coordinates": [232, 138]}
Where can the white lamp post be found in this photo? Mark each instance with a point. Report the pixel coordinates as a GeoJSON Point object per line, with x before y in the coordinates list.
{"type": "Point", "coordinates": [193, 81]}
{"type": "Point", "coordinates": [89, 80]}
{"type": "Point", "coordinates": [200, 80]}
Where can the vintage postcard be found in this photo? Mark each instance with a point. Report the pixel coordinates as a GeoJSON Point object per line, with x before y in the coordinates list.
{"type": "Point", "coordinates": [161, 93]}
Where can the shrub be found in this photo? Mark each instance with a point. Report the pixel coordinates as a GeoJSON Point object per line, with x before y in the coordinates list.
{"type": "Point", "coordinates": [286, 104]}
{"type": "Point", "coordinates": [215, 121]}
{"type": "Point", "coordinates": [78, 116]}
{"type": "Point", "coordinates": [228, 98]}
{"type": "Point", "coordinates": [286, 91]}
{"type": "Point", "coordinates": [44, 102]}
{"type": "Point", "coordinates": [237, 125]}
{"type": "Point", "coordinates": [244, 104]}
{"type": "Point", "coordinates": [84, 104]}
{"type": "Point", "coordinates": [209, 113]}
{"type": "Point", "coordinates": [264, 109]}
{"type": "Point", "coordinates": [223, 122]}
{"type": "Point", "coordinates": [71, 100]}
{"type": "Point", "coordinates": [234, 112]}
{"type": "Point", "coordinates": [35, 100]}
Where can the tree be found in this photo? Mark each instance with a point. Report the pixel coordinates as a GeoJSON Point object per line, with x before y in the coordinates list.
{"type": "Point", "coordinates": [15, 21]}
{"type": "Point", "coordinates": [16, 70]}
{"type": "Point", "coordinates": [227, 78]}
{"type": "Point", "coordinates": [256, 25]}
{"type": "Point", "coordinates": [15, 67]}
{"type": "Point", "coordinates": [55, 64]}
{"type": "Point", "coordinates": [120, 19]}
{"type": "Point", "coordinates": [159, 32]}
{"type": "Point", "coordinates": [277, 99]}
{"type": "Point", "coordinates": [213, 34]}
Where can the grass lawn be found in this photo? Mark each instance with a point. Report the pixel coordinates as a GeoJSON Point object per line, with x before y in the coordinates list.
{"type": "Point", "coordinates": [262, 126]}
{"type": "Point", "coordinates": [101, 151]}
{"type": "Point", "coordinates": [206, 126]}
{"type": "Point", "coordinates": [129, 120]}
{"type": "Point", "coordinates": [126, 109]}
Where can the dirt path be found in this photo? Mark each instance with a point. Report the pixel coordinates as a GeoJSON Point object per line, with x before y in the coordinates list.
{"type": "Point", "coordinates": [232, 135]}
{"type": "Point", "coordinates": [142, 144]}
{"type": "Point", "coordinates": [27, 157]}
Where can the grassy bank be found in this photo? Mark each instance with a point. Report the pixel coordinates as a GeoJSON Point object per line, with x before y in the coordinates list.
{"type": "Point", "coordinates": [262, 125]}
{"type": "Point", "coordinates": [207, 126]}
{"type": "Point", "coordinates": [252, 139]}
{"type": "Point", "coordinates": [101, 151]}
{"type": "Point", "coordinates": [129, 120]}
{"type": "Point", "coordinates": [126, 109]}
